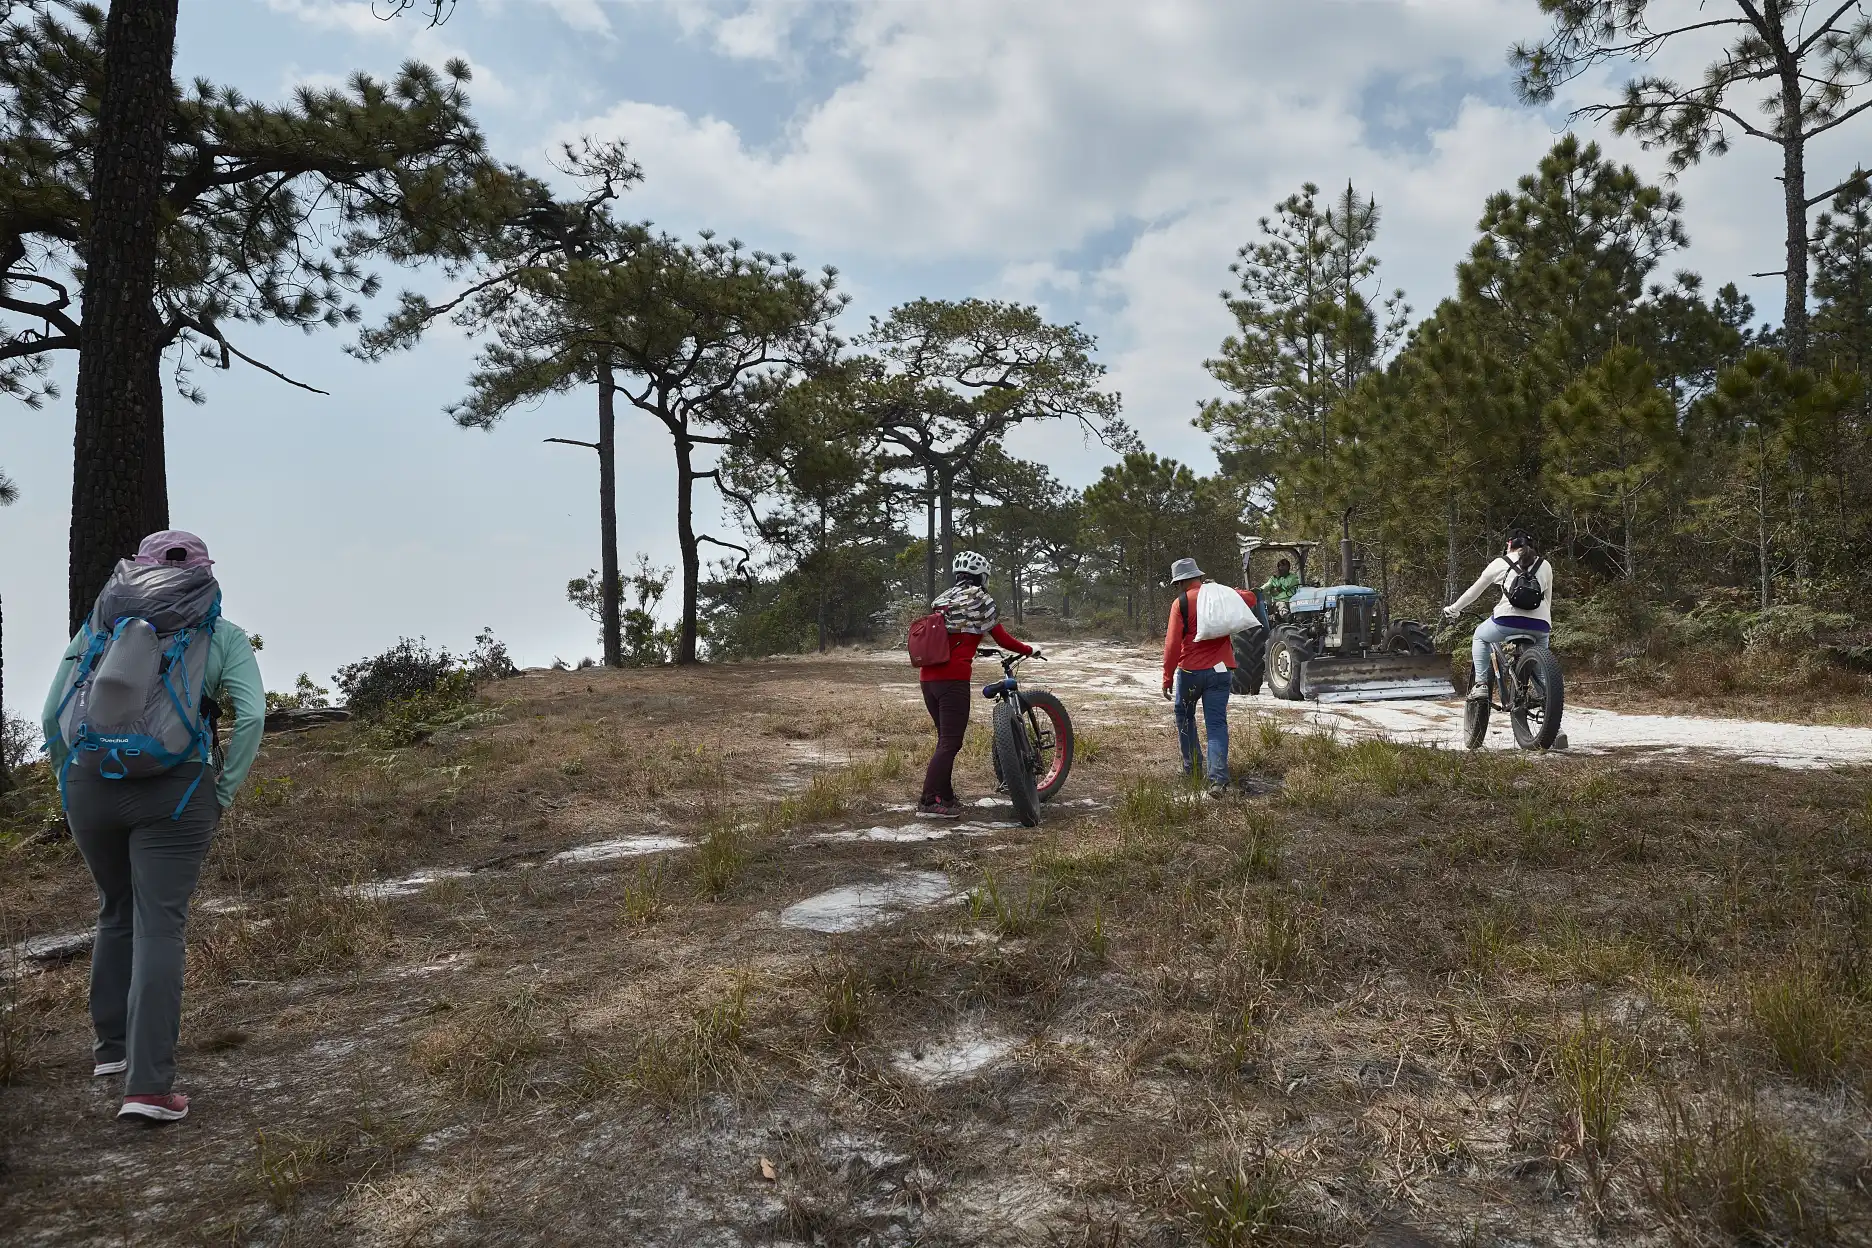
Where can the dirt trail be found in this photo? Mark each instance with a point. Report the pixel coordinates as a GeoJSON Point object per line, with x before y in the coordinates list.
{"type": "Point", "coordinates": [1130, 673]}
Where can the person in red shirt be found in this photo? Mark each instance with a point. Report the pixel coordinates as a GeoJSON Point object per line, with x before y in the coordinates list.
{"type": "Point", "coordinates": [1199, 672]}
{"type": "Point", "coordinates": [969, 614]}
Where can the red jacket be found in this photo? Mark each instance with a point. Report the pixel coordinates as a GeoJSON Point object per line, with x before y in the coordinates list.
{"type": "Point", "coordinates": [1182, 650]}
{"type": "Point", "coordinates": [962, 647]}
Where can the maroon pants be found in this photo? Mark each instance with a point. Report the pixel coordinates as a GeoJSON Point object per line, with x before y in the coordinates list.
{"type": "Point", "coordinates": [948, 703]}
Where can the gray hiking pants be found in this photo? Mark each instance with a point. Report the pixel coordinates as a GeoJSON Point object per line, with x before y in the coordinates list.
{"type": "Point", "coordinates": [146, 865]}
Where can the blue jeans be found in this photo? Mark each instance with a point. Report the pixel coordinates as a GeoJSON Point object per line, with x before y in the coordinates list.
{"type": "Point", "coordinates": [1494, 631]}
{"type": "Point", "coordinates": [1210, 688]}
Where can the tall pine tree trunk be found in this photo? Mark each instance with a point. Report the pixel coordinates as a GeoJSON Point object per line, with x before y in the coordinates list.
{"type": "Point", "coordinates": [929, 554]}
{"type": "Point", "coordinates": [611, 594]}
{"type": "Point", "coordinates": [1628, 509]}
{"type": "Point", "coordinates": [1452, 551]}
{"type": "Point", "coordinates": [822, 580]}
{"type": "Point", "coordinates": [119, 339]}
{"type": "Point", "coordinates": [1761, 528]}
{"type": "Point", "coordinates": [1794, 197]}
{"type": "Point", "coordinates": [686, 538]}
{"type": "Point", "coordinates": [155, 454]}
{"type": "Point", "coordinates": [6, 777]}
{"type": "Point", "coordinates": [947, 481]}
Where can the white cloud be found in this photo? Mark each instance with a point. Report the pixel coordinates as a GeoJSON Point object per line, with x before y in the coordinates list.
{"type": "Point", "coordinates": [1106, 159]}
{"type": "Point", "coordinates": [586, 16]}
{"type": "Point", "coordinates": [977, 133]}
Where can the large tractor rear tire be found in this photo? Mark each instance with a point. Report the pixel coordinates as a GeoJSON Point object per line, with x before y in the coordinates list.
{"type": "Point", "coordinates": [1408, 637]}
{"type": "Point", "coordinates": [1250, 661]}
{"type": "Point", "coordinates": [1287, 654]}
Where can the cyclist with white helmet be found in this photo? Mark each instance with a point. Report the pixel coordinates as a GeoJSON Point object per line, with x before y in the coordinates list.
{"type": "Point", "coordinates": [969, 614]}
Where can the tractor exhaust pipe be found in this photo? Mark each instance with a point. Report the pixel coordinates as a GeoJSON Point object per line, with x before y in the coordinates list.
{"type": "Point", "coordinates": [1346, 576]}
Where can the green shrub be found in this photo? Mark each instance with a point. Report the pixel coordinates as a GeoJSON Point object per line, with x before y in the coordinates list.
{"type": "Point", "coordinates": [406, 670]}
{"type": "Point", "coordinates": [1795, 626]}
{"type": "Point", "coordinates": [19, 740]}
{"type": "Point", "coordinates": [306, 696]}
{"type": "Point", "coordinates": [405, 721]}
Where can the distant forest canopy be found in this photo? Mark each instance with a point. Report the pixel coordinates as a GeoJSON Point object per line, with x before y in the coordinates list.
{"type": "Point", "coordinates": [1641, 422]}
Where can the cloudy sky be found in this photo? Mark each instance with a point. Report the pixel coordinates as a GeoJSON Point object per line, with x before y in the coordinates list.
{"type": "Point", "coordinates": [1103, 159]}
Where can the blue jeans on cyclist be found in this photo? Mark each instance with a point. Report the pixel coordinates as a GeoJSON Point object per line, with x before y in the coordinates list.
{"type": "Point", "coordinates": [1495, 631]}
{"type": "Point", "coordinates": [1211, 690]}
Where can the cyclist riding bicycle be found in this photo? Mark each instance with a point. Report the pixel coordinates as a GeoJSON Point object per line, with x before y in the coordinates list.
{"type": "Point", "coordinates": [1526, 604]}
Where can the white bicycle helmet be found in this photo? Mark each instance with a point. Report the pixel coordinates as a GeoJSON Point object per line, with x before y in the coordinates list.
{"type": "Point", "coordinates": [971, 563]}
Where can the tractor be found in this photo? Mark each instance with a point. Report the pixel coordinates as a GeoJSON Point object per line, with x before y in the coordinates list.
{"type": "Point", "coordinates": [1334, 643]}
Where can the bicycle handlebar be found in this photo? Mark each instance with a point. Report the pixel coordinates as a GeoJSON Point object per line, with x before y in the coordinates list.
{"type": "Point", "coordinates": [1007, 660]}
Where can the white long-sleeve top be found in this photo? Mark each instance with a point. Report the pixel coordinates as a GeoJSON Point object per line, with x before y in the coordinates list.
{"type": "Point", "coordinates": [1498, 574]}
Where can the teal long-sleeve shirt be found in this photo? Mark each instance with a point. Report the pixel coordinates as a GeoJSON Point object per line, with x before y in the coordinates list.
{"type": "Point", "coordinates": [232, 679]}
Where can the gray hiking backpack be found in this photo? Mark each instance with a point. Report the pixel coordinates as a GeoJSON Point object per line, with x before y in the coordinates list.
{"type": "Point", "coordinates": [132, 703]}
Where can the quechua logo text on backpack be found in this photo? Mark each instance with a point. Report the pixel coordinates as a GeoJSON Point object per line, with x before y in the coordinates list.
{"type": "Point", "coordinates": [131, 706]}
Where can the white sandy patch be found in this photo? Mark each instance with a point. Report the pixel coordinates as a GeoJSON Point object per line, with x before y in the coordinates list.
{"type": "Point", "coordinates": [855, 907]}
{"type": "Point", "coordinates": [380, 890]}
{"type": "Point", "coordinates": [621, 847]}
{"type": "Point", "coordinates": [912, 833]}
{"type": "Point", "coordinates": [962, 1053]}
{"type": "Point", "coordinates": [1591, 730]}
{"type": "Point", "coordinates": [1114, 671]}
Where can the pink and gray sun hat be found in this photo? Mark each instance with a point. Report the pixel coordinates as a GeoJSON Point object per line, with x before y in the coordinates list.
{"type": "Point", "coordinates": [173, 548]}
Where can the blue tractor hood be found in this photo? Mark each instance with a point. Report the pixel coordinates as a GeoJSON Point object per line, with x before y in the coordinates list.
{"type": "Point", "coordinates": [1322, 597]}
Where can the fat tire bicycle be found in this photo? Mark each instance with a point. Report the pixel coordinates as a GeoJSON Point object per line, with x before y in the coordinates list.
{"type": "Point", "coordinates": [1525, 684]}
{"type": "Point", "coordinates": [1033, 740]}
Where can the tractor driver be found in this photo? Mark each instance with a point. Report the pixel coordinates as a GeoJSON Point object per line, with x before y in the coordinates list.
{"type": "Point", "coordinates": [1282, 585]}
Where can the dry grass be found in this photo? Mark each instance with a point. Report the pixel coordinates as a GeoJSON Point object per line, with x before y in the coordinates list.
{"type": "Point", "coordinates": [1483, 998]}
{"type": "Point", "coordinates": [356, 1149]}
{"type": "Point", "coordinates": [1722, 1170]}
{"type": "Point", "coordinates": [486, 1051]}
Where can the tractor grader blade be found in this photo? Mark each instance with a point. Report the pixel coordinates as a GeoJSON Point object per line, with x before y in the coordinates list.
{"type": "Point", "coordinates": [1378, 678]}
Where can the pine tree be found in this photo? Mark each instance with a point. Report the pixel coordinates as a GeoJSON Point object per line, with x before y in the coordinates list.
{"type": "Point", "coordinates": [1842, 343]}
{"type": "Point", "coordinates": [188, 212]}
{"type": "Point", "coordinates": [1307, 332]}
{"type": "Point", "coordinates": [1611, 444]}
{"type": "Point", "coordinates": [945, 380]}
{"type": "Point", "coordinates": [683, 331]}
{"type": "Point", "coordinates": [9, 494]}
{"type": "Point", "coordinates": [1762, 406]}
{"type": "Point", "coordinates": [1813, 56]}
{"type": "Point", "coordinates": [1560, 269]}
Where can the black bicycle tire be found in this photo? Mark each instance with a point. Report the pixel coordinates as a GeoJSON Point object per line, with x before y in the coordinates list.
{"type": "Point", "coordinates": [1045, 701]}
{"type": "Point", "coordinates": [1013, 764]}
{"type": "Point", "coordinates": [1475, 721]}
{"type": "Point", "coordinates": [1553, 700]}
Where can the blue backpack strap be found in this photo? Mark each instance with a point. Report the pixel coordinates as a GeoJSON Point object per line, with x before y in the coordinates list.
{"type": "Point", "coordinates": [71, 756]}
{"type": "Point", "coordinates": [202, 743]}
{"type": "Point", "coordinates": [193, 784]}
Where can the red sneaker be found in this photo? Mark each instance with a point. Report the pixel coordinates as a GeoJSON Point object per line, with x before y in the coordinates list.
{"type": "Point", "coordinates": [169, 1107]}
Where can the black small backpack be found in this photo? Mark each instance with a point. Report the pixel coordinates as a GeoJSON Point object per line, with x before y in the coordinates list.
{"type": "Point", "coordinates": [1524, 592]}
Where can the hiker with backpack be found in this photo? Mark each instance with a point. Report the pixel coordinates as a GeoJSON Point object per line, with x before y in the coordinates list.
{"type": "Point", "coordinates": [1526, 604]}
{"type": "Point", "coordinates": [942, 646]}
{"type": "Point", "coordinates": [1199, 663]}
{"type": "Point", "coordinates": [130, 728]}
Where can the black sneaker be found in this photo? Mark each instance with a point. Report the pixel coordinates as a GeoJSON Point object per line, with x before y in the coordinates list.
{"type": "Point", "coordinates": [939, 810]}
